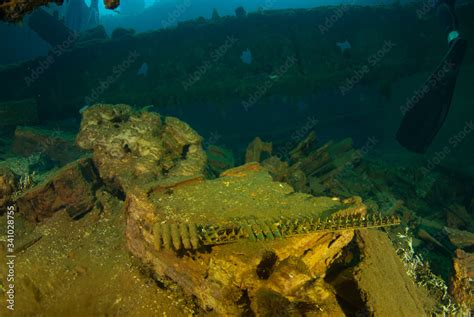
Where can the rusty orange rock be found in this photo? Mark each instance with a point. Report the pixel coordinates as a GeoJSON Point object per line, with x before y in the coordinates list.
{"type": "Point", "coordinates": [463, 266]}
{"type": "Point", "coordinates": [112, 4]}
{"type": "Point", "coordinates": [242, 171]}
{"type": "Point", "coordinates": [72, 189]}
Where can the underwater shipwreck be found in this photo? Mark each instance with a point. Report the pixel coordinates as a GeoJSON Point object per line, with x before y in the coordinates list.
{"type": "Point", "coordinates": [119, 198]}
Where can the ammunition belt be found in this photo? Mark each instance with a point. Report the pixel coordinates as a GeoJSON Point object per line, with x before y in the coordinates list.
{"type": "Point", "coordinates": [180, 236]}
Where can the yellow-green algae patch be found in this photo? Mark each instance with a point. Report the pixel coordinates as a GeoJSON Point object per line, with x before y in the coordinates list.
{"type": "Point", "coordinates": [243, 194]}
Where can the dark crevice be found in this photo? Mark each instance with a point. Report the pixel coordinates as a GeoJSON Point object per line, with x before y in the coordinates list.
{"type": "Point", "coordinates": [119, 119]}
{"type": "Point", "coordinates": [332, 241]}
{"type": "Point", "coordinates": [120, 194]}
{"type": "Point", "coordinates": [160, 284]}
{"type": "Point", "coordinates": [127, 149]}
{"type": "Point", "coordinates": [469, 249]}
{"type": "Point", "coordinates": [341, 277]}
{"type": "Point", "coordinates": [244, 304]}
{"type": "Point", "coordinates": [77, 213]}
{"type": "Point", "coordinates": [305, 307]}
{"type": "Point", "coordinates": [350, 257]}
{"type": "Point", "coordinates": [185, 151]}
{"type": "Point", "coordinates": [353, 305]}
{"type": "Point", "coordinates": [115, 191]}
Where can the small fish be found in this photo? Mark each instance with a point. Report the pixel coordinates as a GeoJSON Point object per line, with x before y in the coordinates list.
{"type": "Point", "coordinates": [344, 46]}
{"type": "Point", "coordinates": [246, 57]}
{"type": "Point", "coordinates": [143, 71]}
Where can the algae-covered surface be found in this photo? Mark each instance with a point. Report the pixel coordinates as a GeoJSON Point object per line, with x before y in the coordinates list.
{"type": "Point", "coordinates": [241, 194]}
{"type": "Point", "coordinates": [83, 268]}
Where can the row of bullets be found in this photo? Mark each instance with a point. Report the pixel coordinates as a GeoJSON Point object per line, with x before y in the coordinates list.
{"type": "Point", "coordinates": [193, 236]}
